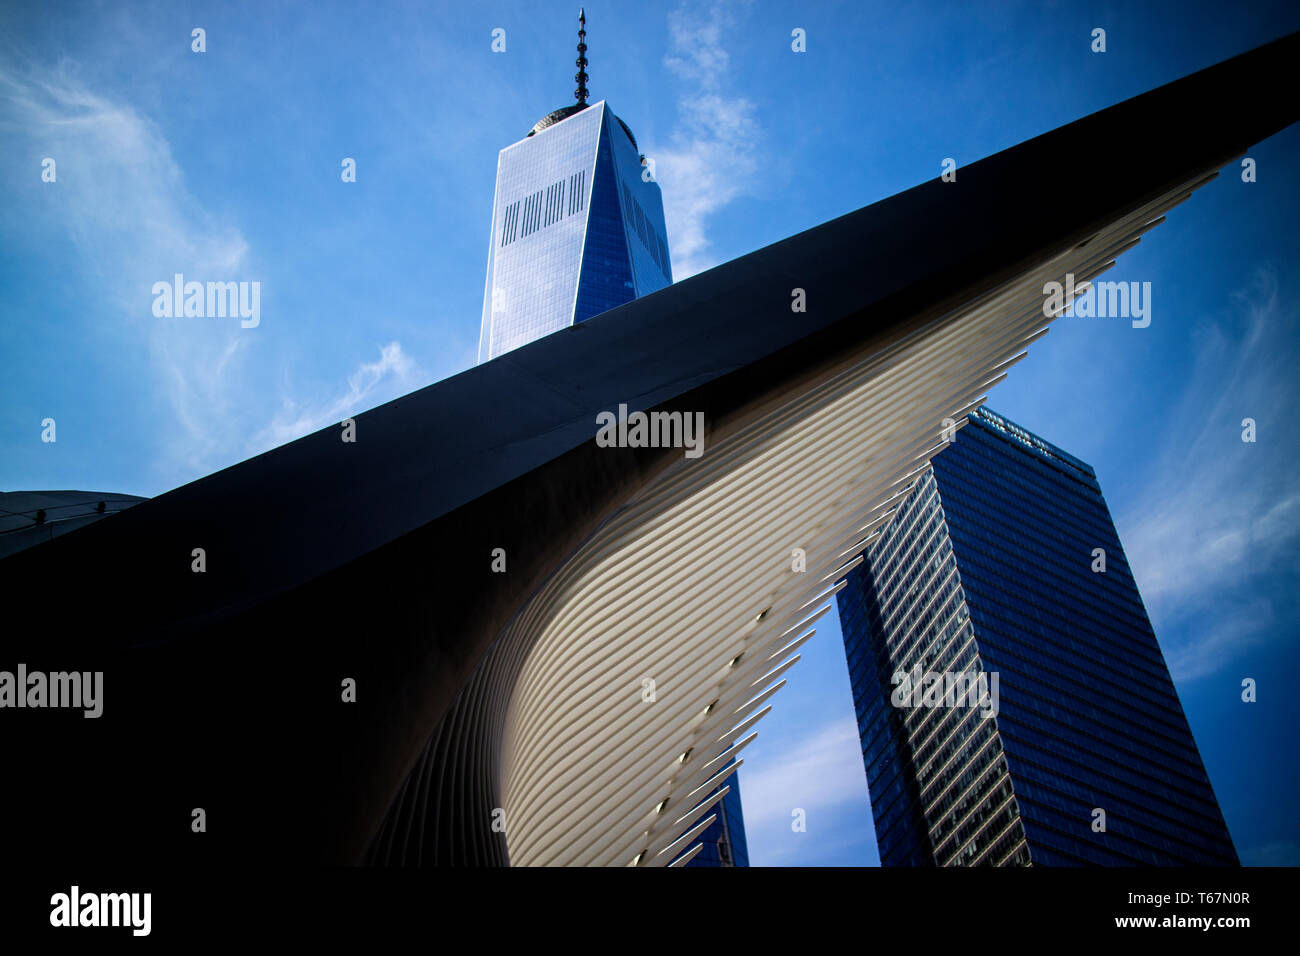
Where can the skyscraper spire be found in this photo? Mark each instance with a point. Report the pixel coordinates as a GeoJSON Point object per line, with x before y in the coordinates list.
{"type": "Point", "coordinates": [581, 75]}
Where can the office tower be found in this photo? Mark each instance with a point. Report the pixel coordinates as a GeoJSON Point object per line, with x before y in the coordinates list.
{"type": "Point", "coordinates": [1062, 742]}
{"type": "Point", "coordinates": [577, 224]}
{"type": "Point", "coordinates": [723, 841]}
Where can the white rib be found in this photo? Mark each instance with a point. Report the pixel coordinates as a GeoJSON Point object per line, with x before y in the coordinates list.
{"type": "Point", "coordinates": [672, 585]}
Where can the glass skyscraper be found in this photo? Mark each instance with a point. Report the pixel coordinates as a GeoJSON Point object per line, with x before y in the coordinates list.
{"type": "Point", "coordinates": [723, 840]}
{"type": "Point", "coordinates": [577, 229]}
{"type": "Point", "coordinates": [1013, 703]}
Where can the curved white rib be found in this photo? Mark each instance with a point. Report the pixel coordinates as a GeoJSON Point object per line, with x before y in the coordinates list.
{"type": "Point", "coordinates": [690, 585]}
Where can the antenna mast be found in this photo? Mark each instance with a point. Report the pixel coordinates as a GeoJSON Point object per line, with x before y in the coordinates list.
{"type": "Point", "coordinates": [581, 75]}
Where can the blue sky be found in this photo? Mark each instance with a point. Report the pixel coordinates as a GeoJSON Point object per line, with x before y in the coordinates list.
{"type": "Point", "coordinates": [225, 165]}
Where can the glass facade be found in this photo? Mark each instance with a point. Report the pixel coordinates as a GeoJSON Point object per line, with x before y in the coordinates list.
{"type": "Point", "coordinates": [724, 839]}
{"type": "Point", "coordinates": [1072, 747]}
{"type": "Point", "coordinates": [575, 230]}
{"type": "Point", "coordinates": [606, 274]}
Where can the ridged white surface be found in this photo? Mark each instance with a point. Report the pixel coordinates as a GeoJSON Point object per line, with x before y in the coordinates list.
{"type": "Point", "coordinates": [690, 584]}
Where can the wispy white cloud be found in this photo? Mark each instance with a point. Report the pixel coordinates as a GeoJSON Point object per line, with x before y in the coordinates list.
{"type": "Point", "coordinates": [372, 382]}
{"type": "Point", "coordinates": [120, 192]}
{"type": "Point", "coordinates": [1219, 512]}
{"type": "Point", "coordinates": [121, 196]}
{"type": "Point", "coordinates": [820, 774]}
{"type": "Point", "coordinates": [1219, 639]}
{"type": "Point", "coordinates": [712, 157]}
{"type": "Point", "coordinates": [122, 199]}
